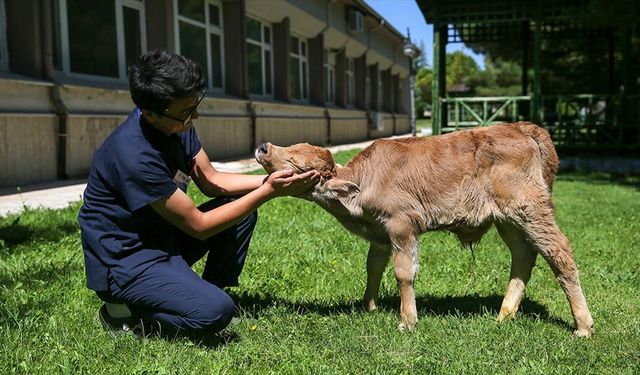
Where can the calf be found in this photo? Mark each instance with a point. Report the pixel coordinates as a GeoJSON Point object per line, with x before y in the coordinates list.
{"type": "Point", "coordinates": [397, 189]}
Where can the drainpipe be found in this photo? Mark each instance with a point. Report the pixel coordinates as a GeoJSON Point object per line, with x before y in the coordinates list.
{"type": "Point", "coordinates": [326, 110]}
{"type": "Point", "coordinates": [251, 110]}
{"type": "Point", "coordinates": [55, 96]}
{"type": "Point", "coordinates": [369, 116]}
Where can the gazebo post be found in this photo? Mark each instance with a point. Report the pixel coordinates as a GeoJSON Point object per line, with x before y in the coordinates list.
{"type": "Point", "coordinates": [524, 109]}
{"type": "Point", "coordinates": [435, 81]}
{"type": "Point", "coordinates": [536, 100]}
{"type": "Point", "coordinates": [438, 83]}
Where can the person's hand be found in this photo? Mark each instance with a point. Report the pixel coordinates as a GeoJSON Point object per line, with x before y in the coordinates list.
{"type": "Point", "coordinates": [285, 182]}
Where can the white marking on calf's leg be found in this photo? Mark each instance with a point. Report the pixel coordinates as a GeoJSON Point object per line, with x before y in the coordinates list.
{"type": "Point", "coordinates": [523, 258]}
{"type": "Point", "coordinates": [405, 267]}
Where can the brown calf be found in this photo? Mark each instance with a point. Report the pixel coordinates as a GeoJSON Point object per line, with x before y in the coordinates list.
{"type": "Point", "coordinates": [397, 189]}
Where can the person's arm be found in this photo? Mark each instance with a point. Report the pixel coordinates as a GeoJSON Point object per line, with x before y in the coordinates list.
{"type": "Point", "coordinates": [179, 209]}
{"type": "Point", "coordinates": [214, 183]}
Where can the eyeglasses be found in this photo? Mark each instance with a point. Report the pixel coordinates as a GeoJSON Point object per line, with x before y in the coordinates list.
{"type": "Point", "coordinates": [188, 117]}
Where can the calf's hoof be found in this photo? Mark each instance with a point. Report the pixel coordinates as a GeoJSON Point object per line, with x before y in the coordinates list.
{"type": "Point", "coordinates": [369, 305]}
{"type": "Point", "coordinates": [406, 326]}
{"type": "Point", "coordinates": [505, 315]}
{"type": "Point", "coordinates": [583, 332]}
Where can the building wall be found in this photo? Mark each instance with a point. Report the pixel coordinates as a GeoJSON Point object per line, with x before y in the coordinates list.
{"type": "Point", "coordinates": [84, 135]}
{"type": "Point", "coordinates": [27, 149]}
{"type": "Point", "coordinates": [232, 122]}
{"type": "Point", "coordinates": [348, 126]}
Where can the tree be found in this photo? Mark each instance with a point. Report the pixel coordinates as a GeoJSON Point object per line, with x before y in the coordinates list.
{"type": "Point", "coordinates": [422, 93]}
{"type": "Point", "coordinates": [459, 68]}
{"type": "Point", "coordinates": [499, 78]}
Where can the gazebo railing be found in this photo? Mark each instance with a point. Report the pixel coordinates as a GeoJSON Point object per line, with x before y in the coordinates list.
{"type": "Point", "coordinates": [482, 111]}
{"type": "Point", "coordinates": [591, 120]}
{"type": "Point", "coordinates": [587, 121]}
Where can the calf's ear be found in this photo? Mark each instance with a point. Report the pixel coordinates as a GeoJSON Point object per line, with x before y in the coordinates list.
{"type": "Point", "coordinates": [342, 188]}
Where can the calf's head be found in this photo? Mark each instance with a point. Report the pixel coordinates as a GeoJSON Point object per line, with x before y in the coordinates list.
{"type": "Point", "coordinates": [303, 157]}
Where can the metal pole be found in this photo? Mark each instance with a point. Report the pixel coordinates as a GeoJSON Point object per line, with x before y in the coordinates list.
{"type": "Point", "coordinates": [412, 117]}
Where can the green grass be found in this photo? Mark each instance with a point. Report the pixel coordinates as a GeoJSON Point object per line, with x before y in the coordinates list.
{"type": "Point", "coordinates": [300, 291]}
{"type": "Point", "coordinates": [423, 124]}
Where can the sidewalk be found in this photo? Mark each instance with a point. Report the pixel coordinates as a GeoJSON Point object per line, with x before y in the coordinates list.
{"type": "Point", "coordinates": [59, 194]}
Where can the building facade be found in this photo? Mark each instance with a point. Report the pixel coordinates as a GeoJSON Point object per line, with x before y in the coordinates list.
{"type": "Point", "coordinates": [284, 71]}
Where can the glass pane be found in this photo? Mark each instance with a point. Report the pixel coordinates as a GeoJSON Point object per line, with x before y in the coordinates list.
{"type": "Point", "coordinates": [294, 45]}
{"type": "Point", "coordinates": [193, 44]}
{"type": "Point", "coordinates": [55, 32]}
{"type": "Point", "coordinates": [255, 68]}
{"type": "Point", "coordinates": [253, 29]}
{"type": "Point", "coordinates": [267, 71]}
{"type": "Point", "coordinates": [303, 49]}
{"type": "Point", "coordinates": [216, 61]}
{"type": "Point", "coordinates": [331, 88]}
{"type": "Point", "coordinates": [132, 37]}
{"type": "Point", "coordinates": [214, 15]}
{"type": "Point", "coordinates": [352, 84]}
{"type": "Point", "coordinates": [193, 9]}
{"type": "Point", "coordinates": [92, 37]}
{"type": "Point", "coordinates": [304, 80]}
{"type": "Point", "coordinates": [267, 35]}
{"type": "Point", "coordinates": [367, 92]}
{"type": "Point", "coordinates": [326, 84]}
{"type": "Point", "coordinates": [294, 81]}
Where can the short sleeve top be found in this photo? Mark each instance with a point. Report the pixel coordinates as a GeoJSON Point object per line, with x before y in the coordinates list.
{"type": "Point", "coordinates": [135, 166]}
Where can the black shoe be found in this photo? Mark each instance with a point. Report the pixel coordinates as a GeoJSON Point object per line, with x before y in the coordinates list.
{"type": "Point", "coordinates": [117, 326]}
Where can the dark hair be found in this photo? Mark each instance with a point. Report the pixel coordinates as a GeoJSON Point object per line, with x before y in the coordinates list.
{"type": "Point", "coordinates": [159, 77]}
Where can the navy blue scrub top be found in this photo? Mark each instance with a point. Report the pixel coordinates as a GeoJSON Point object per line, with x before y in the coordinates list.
{"type": "Point", "coordinates": [135, 166]}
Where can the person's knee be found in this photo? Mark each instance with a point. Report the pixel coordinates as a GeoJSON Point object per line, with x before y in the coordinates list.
{"type": "Point", "coordinates": [214, 315]}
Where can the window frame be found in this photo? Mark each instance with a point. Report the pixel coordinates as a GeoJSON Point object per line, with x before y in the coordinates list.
{"type": "Point", "coordinates": [350, 78]}
{"type": "Point", "coordinates": [263, 47]}
{"type": "Point", "coordinates": [209, 29]}
{"type": "Point", "coordinates": [64, 52]}
{"type": "Point", "coordinates": [4, 50]}
{"type": "Point", "coordinates": [302, 59]}
{"type": "Point", "coordinates": [329, 76]}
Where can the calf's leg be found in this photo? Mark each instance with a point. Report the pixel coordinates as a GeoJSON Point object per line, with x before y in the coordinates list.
{"type": "Point", "coordinates": [544, 235]}
{"type": "Point", "coordinates": [376, 262]}
{"type": "Point", "coordinates": [523, 258]}
{"type": "Point", "coordinates": [405, 265]}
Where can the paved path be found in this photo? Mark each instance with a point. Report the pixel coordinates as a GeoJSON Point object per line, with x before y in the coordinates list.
{"type": "Point", "coordinates": [59, 194]}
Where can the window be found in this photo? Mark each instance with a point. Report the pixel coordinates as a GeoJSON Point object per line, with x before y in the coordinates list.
{"type": "Point", "coordinates": [380, 92]}
{"type": "Point", "coordinates": [4, 54]}
{"type": "Point", "coordinates": [351, 82]}
{"type": "Point", "coordinates": [329, 76]}
{"type": "Point", "coordinates": [392, 94]}
{"type": "Point", "coordinates": [98, 38]}
{"type": "Point", "coordinates": [259, 57]}
{"type": "Point", "coordinates": [367, 89]}
{"type": "Point", "coordinates": [299, 69]}
{"type": "Point", "coordinates": [200, 37]}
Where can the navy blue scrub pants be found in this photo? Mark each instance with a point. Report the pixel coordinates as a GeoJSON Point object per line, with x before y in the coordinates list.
{"type": "Point", "coordinates": [173, 295]}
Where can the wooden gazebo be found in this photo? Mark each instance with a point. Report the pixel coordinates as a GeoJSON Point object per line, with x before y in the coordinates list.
{"type": "Point", "coordinates": [589, 121]}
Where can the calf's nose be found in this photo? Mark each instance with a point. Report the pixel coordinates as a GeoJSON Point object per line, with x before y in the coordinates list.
{"type": "Point", "coordinates": [263, 148]}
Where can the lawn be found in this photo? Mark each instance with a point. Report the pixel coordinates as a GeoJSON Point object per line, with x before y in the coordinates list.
{"type": "Point", "coordinates": [299, 300]}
